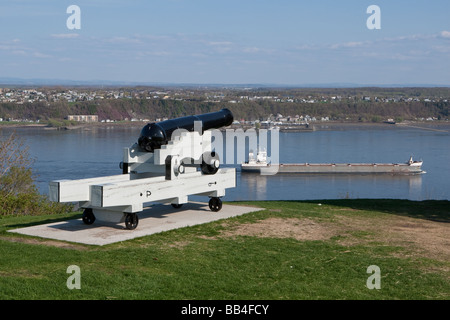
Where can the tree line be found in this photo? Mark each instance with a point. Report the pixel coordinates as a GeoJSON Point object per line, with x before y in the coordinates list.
{"type": "Point", "coordinates": [122, 109]}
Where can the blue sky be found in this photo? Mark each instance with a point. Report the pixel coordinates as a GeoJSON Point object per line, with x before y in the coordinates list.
{"type": "Point", "coordinates": [229, 42]}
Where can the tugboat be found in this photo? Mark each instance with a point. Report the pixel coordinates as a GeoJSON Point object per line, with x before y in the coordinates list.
{"type": "Point", "coordinates": [413, 163]}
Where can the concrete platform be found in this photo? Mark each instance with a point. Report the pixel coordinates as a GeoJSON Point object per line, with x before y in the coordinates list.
{"type": "Point", "coordinates": [155, 219]}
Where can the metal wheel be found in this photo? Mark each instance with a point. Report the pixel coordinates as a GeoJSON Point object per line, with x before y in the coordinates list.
{"type": "Point", "coordinates": [215, 204]}
{"type": "Point", "coordinates": [131, 221]}
{"type": "Point", "coordinates": [176, 206]}
{"type": "Point", "coordinates": [88, 216]}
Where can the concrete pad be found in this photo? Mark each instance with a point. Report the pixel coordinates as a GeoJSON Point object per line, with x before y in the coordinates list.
{"type": "Point", "coordinates": [155, 219]}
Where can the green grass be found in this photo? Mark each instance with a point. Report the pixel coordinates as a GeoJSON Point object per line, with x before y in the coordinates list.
{"type": "Point", "coordinates": [201, 262]}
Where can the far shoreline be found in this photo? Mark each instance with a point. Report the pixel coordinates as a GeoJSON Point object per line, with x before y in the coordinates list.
{"type": "Point", "coordinates": [316, 126]}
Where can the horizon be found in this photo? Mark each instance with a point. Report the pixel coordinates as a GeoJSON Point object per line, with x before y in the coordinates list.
{"type": "Point", "coordinates": [18, 82]}
{"type": "Point", "coordinates": [181, 43]}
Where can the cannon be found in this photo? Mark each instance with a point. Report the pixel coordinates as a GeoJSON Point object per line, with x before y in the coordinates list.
{"type": "Point", "coordinates": [154, 135]}
{"type": "Point", "coordinates": [170, 161]}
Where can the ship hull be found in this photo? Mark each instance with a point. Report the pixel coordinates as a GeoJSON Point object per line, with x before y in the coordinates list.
{"type": "Point", "coordinates": [390, 168]}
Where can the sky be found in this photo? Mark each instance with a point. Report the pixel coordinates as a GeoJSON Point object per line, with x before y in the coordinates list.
{"type": "Point", "coordinates": [227, 42]}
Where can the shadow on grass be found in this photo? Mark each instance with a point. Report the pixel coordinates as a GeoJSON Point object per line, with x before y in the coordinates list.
{"type": "Point", "coordinates": [434, 210]}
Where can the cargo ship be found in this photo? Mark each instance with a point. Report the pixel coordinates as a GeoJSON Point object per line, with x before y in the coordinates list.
{"type": "Point", "coordinates": [259, 164]}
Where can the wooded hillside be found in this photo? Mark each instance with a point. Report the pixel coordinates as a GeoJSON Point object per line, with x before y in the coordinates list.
{"type": "Point", "coordinates": [359, 104]}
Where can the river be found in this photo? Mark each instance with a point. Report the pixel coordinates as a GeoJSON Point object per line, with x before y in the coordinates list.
{"type": "Point", "coordinates": [97, 151]}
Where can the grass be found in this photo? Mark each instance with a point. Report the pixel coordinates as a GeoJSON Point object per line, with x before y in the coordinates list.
{"type": "Point", "coordinates": [219, 260]}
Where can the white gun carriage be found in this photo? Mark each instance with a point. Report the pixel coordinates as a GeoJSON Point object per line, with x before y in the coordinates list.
{"type": "Point", "coordinates": [172, 160]}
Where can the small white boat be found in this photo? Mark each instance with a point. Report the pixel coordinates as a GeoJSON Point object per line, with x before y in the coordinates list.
{"type": "Point", "coordinates": [255, 164]}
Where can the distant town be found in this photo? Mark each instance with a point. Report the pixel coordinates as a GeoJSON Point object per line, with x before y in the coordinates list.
{"type": "Point", "coordinates": [21, 96]}
{"type": "Point", "coordinates": [233, 98]}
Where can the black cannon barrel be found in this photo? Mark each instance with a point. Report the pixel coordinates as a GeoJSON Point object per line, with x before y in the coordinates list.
{"type": "Point", "coordinates": [154, 135]}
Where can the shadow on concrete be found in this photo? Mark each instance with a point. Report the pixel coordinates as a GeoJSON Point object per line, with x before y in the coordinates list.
{"type": "Point", "coordinates": [158, 211]}
{"type": "Point", "coordinates": [74, 222]}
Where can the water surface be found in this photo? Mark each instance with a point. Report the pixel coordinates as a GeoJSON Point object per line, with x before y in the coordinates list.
{"type": "Point", "coordinates": [91, 152]}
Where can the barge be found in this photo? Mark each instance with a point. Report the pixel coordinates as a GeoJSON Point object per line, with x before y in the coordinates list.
{"type": "Point", "coordinates": [259, 164]}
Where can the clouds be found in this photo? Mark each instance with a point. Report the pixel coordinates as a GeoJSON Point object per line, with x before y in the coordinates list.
{"type": "Point", "coordinates": [41, 55]}
{"type": "Point", "coordinates": [65, 35]}
{"type": "Point", "coordinates": [179, 45]}
{"type": "Point", "coordinates": [445, 34]}
{"type": "Point", "coordinates": [351, 44]}
{"type": "Point", "coordinates": [405, 47]}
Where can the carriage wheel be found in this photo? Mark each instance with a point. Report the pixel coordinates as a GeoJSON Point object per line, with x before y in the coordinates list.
{"type": "Point", "coordinates": [131, 221]}
{"type": "Point", "coordinates": [210, 163]}
{"type": "Point", "coordinates": [88, 216]}
{"type": "Point", "coordinates": [215, 204]}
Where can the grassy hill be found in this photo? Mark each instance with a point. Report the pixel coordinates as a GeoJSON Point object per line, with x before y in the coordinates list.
{"type": "Point", "coordinates": [287, 251]}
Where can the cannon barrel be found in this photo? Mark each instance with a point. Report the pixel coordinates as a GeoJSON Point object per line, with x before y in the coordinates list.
{"type": "Point", "coordinates": [154, 135]}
